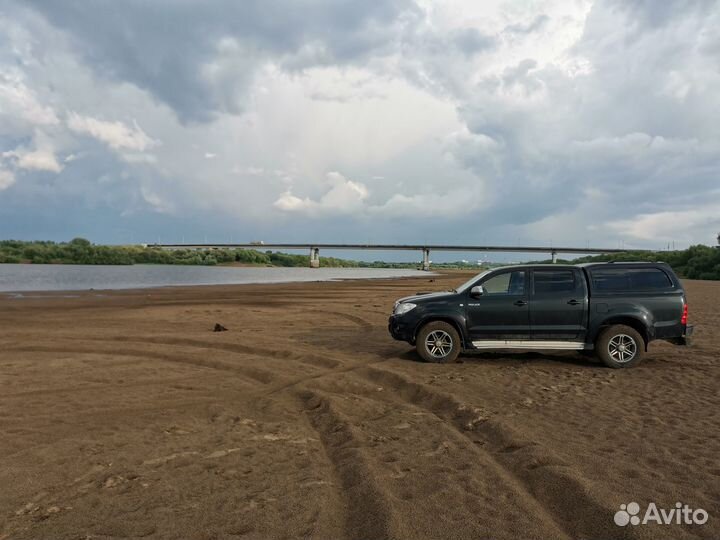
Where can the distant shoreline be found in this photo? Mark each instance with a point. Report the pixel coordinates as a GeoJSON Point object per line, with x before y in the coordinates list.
{"type": "Point", "coordinates": [82, 251]}
{"type": "Point", "coordinates": [696, 262]}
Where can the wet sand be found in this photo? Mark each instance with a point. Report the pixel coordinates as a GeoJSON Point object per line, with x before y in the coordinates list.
{"type": "Point", "coordinates": [125, 416]}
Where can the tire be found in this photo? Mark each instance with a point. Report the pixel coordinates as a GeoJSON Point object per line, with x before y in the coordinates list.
{"type": "Point", "coordinates": [620, 346]}
{"type": "Point", "coordinates": [438, 342]}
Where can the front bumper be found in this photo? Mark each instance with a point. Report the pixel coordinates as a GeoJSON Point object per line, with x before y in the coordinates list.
{"type": "Point", "coordinates": [401, 329]}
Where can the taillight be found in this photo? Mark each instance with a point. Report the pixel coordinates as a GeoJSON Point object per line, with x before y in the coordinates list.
{"type": "Point", "coordinates": [683, 319]}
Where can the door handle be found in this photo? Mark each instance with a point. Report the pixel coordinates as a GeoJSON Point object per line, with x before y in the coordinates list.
{"type": "Point", "coordinates": [520, 303]}
{"type": "Point", "coordinates": [574, 302]}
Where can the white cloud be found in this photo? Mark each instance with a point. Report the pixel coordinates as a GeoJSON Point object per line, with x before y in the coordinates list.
{"type": "Point", "coordinates": [671, 225]}
{"type": "Point", "coordinates": [16, 99]}
{"type": "Point", "coordinates": [348, 197]}
{"type": "Point", "coordinates": [156, 202]}
{"type": "Point", "coordinates": [116, 135]}
{"type": "Point", "coordinates": [136, 158]}
{"type": "Point", "coordinates": [7, 179]}
{"type": "Point", "coordinates": [344, 196]}
{"type": "Point", "coordinates": [42, 158]}
{"type": "Point", "coordinates": [449, 205]}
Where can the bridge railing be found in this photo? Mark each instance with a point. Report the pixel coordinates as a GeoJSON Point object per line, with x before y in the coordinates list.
{"type": "Point", "coordinates": [314, 249]}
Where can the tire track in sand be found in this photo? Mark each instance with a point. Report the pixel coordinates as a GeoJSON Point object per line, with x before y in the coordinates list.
{"type": "Point", "coordinates": [365, 504]}
{"type": "Point", "coordinates": [468, 475]}
{"type": "Point", "coordinates": [359, 321]}
{"type": "Point", "coordinates": [257, 374]}
{"type": "Point", "coordinates": [554, 489]}
{"type": "Point", "coordinates": [172, 382]}
{"type": "Point", "coordinates": [313, 360]}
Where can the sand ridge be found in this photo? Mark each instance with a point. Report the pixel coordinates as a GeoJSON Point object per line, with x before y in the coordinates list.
{"type": "Point", "coordinates": [124, 415]}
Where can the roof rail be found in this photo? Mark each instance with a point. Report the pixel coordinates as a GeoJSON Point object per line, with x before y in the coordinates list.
{"type": "Point", "coordinates": [629, 262]}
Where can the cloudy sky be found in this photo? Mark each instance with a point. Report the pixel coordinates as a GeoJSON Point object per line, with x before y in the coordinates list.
{"type": "Point", "coordinates": [531, 121]}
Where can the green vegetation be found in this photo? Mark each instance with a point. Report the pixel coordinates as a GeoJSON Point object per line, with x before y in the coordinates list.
{"type": "Point", "coordinates": [81, 251]}
{"type": "Point", "coordinates": [696, 262]}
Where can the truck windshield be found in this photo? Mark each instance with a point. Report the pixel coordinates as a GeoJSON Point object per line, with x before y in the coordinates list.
{"type": "Point", "coordinates": [469, 283]}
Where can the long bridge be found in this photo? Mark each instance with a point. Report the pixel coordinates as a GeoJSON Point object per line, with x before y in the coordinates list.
{"type": "Point", "coordinates": [424, 248]}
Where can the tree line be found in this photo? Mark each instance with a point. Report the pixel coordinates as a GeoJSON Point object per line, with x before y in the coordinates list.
{"type": "Point", "coordinates": [82, 251]}
{"type": "Point", "coordinates": [696, 262]}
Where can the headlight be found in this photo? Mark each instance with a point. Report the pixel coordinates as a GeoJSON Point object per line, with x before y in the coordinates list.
{"type": "Point", "coordinates": [403, 308]}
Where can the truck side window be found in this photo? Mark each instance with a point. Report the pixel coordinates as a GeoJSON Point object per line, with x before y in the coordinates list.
{"type": "Point", "coordinates": [628, 279]}
{"type": "Point", "coordinates": [506, 283]}
{"type": "Point", "coordinates": [553, 281]}
{"type": "Point", "coordinates": [649, 279]}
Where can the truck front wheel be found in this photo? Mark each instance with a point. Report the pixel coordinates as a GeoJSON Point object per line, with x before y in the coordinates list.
{"type": "Point", "coordinates": [620, 346]}
{"type": "Point", "coordinates": [438, 341]}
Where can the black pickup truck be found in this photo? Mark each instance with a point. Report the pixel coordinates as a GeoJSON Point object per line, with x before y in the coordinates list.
{"type": "Point", "coordinates": [613, 309]}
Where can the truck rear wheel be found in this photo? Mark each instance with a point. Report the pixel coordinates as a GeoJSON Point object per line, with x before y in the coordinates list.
{"type": "Point", "coordinates": [438, 341]}
{"type": "Point", "coordinates": [620, 346]}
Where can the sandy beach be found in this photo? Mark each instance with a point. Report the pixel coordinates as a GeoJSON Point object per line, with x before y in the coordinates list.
{"type": "Point", "coordinates": [123, 415]}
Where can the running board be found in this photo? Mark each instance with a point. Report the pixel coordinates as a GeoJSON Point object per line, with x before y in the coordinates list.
{"type": "Point", "coordinates": [529, 344]}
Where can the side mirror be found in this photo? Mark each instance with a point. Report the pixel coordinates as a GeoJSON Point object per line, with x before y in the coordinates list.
{"type": "Point", "coordinates": [477, 291]}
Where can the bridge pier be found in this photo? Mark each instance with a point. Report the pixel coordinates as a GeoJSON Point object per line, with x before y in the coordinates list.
{"type": "Point", "coordinates": [314, 257]}
{"type": "Point", "coordinates": [554, 257]}
{"type": "Point", "coordinates": [426, 259]}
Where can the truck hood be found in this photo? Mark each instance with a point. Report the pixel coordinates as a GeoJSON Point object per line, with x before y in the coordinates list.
{"type": "Point", "coordinates": [423, 297]}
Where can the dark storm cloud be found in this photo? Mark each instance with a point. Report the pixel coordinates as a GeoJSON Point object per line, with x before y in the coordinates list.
{"type": "Point", "coordinates": [638, 120]}
{"type": "Point", "coordinates": [164, 47]}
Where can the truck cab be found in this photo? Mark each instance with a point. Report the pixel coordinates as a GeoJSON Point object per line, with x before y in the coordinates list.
{"type": "Point", "coordinates": [614, 309]}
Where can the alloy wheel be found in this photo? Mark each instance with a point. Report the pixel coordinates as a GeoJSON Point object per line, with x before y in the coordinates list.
{"type": "Point", "coordinates": [439, 343]}
{"type": "Point", "coordinates": [622, 348]}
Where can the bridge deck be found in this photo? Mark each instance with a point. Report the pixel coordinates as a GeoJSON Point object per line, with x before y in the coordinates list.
{"type": "Point", "coordinates": [401, 247]}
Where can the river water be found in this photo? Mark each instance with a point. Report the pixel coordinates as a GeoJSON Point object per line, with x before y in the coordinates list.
{"type": "Point", "coordinates": [61, 277]}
